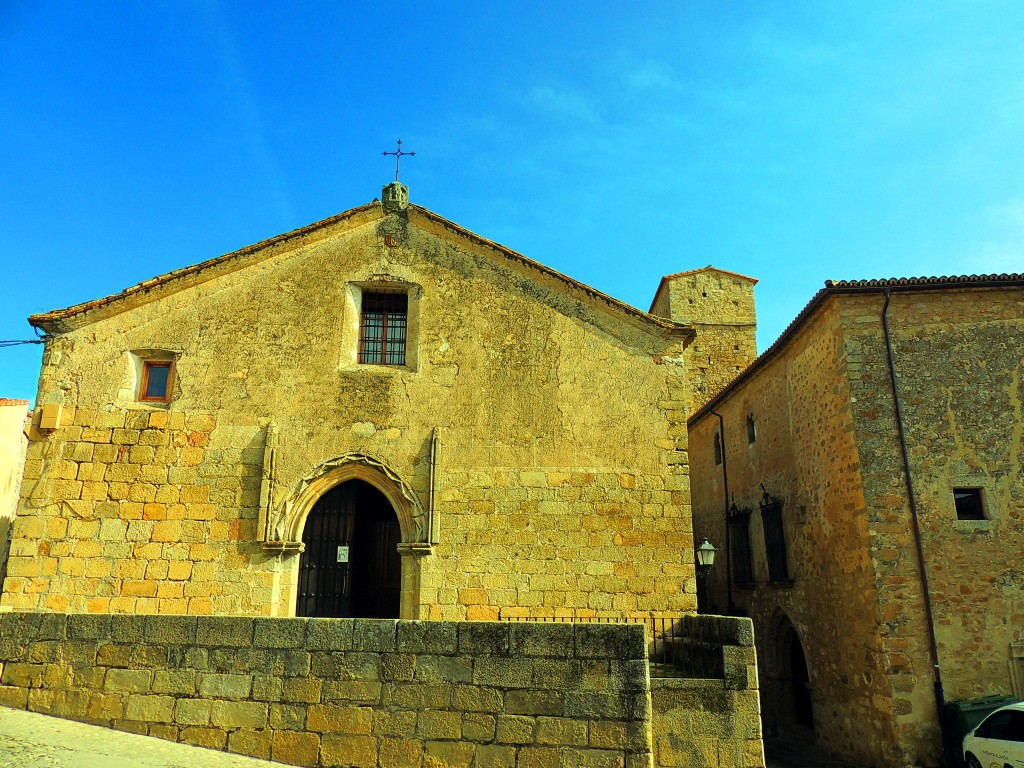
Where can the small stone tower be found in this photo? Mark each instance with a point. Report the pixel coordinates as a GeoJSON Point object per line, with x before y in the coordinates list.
{"type": "Point", "coordinates": [720, 307]}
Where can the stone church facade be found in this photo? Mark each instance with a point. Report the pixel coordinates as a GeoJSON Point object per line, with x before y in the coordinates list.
{"type": "Point", "coordinates": [516, 440]}
{"type": "Point", "coordinates": [863, 572]}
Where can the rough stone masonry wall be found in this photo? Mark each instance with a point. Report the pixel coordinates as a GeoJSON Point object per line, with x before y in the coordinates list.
{"type": "Point", "coordinates": [720, 307]}
{"type": "Point", "coordinates": [958, 360]}
{"type": "Point", "coordinates": [805, 454]}
{"type": "Point", "coordinates": [632, 527]}
{"type": "Point", "coordinates": [136, 512]}
{"type": "Point", "coordinates": [391, 694]}
{"type": "Point", "coordinates": [700, 723]}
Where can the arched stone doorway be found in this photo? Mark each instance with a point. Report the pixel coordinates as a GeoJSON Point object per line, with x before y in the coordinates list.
{"type": "Point", "coordinates": [287, 525]}
{"type": "Point", "coordinates": [350, 565]}
{"type": "Point", "coordinates": [794, 709]}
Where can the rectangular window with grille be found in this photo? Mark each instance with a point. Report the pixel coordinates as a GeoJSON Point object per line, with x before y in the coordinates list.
{"type": "Point", "coordinates": [741, 556]}
{"type": "Point", "coordinates": [774, 540]}
{"type": "Point", "coordinates": [383, 322]}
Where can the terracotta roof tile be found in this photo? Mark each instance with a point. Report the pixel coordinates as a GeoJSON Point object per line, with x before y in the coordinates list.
{"type": "Point", "coordinates": [948, 280]}
{"type": "Point", "coordinates": [4, 401]}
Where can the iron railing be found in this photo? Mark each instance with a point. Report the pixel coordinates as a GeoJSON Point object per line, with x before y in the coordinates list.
{"type": "Point", "coordinates": [677, 647]}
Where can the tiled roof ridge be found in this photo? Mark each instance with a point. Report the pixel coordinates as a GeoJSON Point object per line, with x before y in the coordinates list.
{"type": "Point", "coordinates": [890, 282]}
{"type": "Point", "coordinates": [60, 315]}
{"type": "Point", "coordinates": [12, 401]}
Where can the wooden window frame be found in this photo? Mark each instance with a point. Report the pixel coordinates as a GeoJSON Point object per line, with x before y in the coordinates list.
{"type": "Point", "coordinates": [775, 540]}
{"type": "Point", "coordinates": [147, 365]}
{"type": "Point", "coordinates": [741, 555]}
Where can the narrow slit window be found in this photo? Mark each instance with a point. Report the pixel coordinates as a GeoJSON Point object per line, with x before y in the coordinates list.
{"type": "Point", "coordinates": [968, 504]}
{"type": "Point", "coordinates": [741, 553]}
{"type": "Point", "coordinates": [718, 449]}
{"type": "Point", "coordinates": [774, 539]}
{"type": "Point", "coordinates": [157, 377]}
{"type": "Point", "coordinates": [751, 429]}
{"type": "Point", "coordinates": [382, 328]}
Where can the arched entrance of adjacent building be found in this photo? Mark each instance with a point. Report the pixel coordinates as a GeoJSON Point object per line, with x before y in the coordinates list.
{"type": "Point", "coordinates": [350, 566]}
{"type": "Point", "coordinates": [792, 679]}
{"type": "Point", "coordinates": [803, 713]}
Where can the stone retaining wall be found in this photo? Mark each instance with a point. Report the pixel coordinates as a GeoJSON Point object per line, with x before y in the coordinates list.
{"type": "Point", "coordinates": [711, 723]}
{"type": "Point", "coordinates": [379, 693]}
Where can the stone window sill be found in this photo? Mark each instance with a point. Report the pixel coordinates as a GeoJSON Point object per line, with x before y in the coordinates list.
{"type": "Point", "coordinates": [973, 526]}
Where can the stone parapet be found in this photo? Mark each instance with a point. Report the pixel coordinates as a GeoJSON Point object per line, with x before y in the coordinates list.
{"type": "Point", "coordinates": [387, 693]}
{"type": "Point", "coordinates": [327, 692]}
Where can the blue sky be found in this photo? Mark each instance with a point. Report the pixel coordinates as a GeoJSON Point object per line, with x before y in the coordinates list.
{"type": "Point", "coordinates": [616, 142]}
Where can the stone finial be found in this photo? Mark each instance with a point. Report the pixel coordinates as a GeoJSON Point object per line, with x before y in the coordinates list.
{"type": "Point", "coordinates": [394, 197]}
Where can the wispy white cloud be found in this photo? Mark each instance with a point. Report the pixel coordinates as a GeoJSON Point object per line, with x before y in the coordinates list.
{"type": "Point", "coordinates": [239, 88]}
{"type": "Point", "coordinates": [562, 103]}
{"type": "Point", "coordinates": [649, 75]}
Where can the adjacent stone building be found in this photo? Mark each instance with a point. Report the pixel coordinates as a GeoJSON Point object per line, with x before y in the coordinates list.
{"type": "Point", "coordinates": [12, 462]}
{"type": "Point", "coordinates": [863, 482]}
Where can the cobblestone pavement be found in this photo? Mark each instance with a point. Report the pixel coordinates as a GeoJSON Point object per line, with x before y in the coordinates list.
{"type": "Point", "coordinates": [30, 740]}
{"type": "Point", "coordinates": [795, 754]}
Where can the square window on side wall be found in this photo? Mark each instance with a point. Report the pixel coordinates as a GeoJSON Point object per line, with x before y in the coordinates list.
{"type": "Point", "coordinates": [154, 376]}
{"type": "Point", "coordinates": [157, 377]}
{"type": "Point", "coordinates": [969, 504]}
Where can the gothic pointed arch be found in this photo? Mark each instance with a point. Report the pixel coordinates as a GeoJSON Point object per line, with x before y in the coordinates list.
{"type": "Point", "coordinates": [288, 522]}
{"type": "Point", "coordinates": [789, 674]}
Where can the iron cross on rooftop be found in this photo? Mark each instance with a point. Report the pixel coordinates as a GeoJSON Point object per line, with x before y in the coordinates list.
{"type": "Point", "coordinates": [398, 157]}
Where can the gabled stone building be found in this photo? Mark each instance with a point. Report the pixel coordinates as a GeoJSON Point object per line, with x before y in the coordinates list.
{"type": "Point", "coordinates": [381, 415]}
{"type": "Point", "coordinates": [378, 419]}
{"type": "Point", "coordinates": [863, 480]}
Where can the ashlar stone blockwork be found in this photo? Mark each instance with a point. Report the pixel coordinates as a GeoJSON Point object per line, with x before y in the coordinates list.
{"type": "Point", "coordinates": [383, 693]}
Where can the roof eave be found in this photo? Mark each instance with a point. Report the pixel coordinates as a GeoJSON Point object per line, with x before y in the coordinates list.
{"type": "Point", "coordinates": [665, 328]}
{"type": "Point", "coordinates": [74, 317]}
{"type": "Point", "coordinates": [833, 288]}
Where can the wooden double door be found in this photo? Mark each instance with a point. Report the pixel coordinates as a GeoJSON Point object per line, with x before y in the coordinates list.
{"type": "Point", "coordinates": [350, 566]}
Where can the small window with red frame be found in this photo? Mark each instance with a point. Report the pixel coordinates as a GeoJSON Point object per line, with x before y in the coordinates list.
{"type": "Point", "coordinates": [157, 378]}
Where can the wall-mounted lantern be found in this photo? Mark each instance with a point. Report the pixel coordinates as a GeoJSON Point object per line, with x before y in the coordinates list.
{"type": "Point", "coordinates": [705, 556]}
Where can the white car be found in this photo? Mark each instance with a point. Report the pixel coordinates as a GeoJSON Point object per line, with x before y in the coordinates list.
{"type": "Point", "coordinates": [998, 741]}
